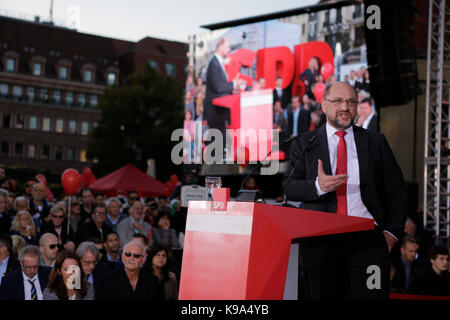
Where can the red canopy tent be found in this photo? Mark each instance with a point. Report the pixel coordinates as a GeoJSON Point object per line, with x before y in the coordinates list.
{"type": "Point", "coordinates": [126, 179]}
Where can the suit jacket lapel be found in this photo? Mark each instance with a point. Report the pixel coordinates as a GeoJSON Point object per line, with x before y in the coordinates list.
{"type": "Point", "coordinates": [20, 287]}
{"type": "Point", "coordinates": [362, 148]}
{"type": "Point", "coordinates": [324, 152]}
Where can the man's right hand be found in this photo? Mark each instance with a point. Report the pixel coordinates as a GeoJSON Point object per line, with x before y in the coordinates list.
{"type": "Point", "coordinates": [329, 183]}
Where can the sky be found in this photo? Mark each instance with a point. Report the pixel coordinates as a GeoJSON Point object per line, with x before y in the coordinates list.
{"type": "Point", "coordinates": [135, 19]}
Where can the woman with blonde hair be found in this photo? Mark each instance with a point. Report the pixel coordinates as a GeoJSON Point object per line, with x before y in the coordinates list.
{"type": "Point", "coordinates": [17, 244]}
{"type": "Point", "coordinates": [23, 225]}
{"type": "Point", "coordinates": [309, 76]}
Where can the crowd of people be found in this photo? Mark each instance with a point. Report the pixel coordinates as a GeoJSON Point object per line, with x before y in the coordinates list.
{"type": "Point", "coordinates": [125, 248]}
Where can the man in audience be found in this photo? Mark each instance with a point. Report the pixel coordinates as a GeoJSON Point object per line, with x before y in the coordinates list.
{"type": "Point", "coordinates": [29, 187]}
{"type": "Point", "coordinates": [298, 120]}
{"type": "Point", "coordinates": [132, 197]}
{"type": "Point", "coordinates": [111, 259]}
{"type": "Point", "coordinates": [435, 280]}
{"type": "Point", "coordinates": [20, 204]}
{"type": "Point", "coordinates": [99, 198]}
{"type": "Point", "coordinates": [367, 118]}
{"type": "Point", "coordinates": [95, 228]}
{"type": "Point", "coordinates": [7, 263]}
{"type": "Point", "coordinates": [49, 246]}
{"type": "Point", "coordinates": [39, 206]}
{"type": "Point", "coordinates": [27, 282]}
{"type": "Point", "coordinates": [134, 224]}
{"type": "Point", "coordinates": [114, 216]}
{"type": "Point", "coordinates": [279, 94]}
{"type": "Point", "coordinates": [94, 272]}
{"type": "Point", "coordinates": [87, 204]}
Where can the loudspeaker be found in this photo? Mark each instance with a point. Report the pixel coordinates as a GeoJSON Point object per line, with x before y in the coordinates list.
{"type": "Point", "coordinates": [391, 53]}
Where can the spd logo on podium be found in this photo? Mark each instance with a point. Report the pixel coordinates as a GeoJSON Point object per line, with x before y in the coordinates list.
{"type": "Point", "coordinates": [220, 198]}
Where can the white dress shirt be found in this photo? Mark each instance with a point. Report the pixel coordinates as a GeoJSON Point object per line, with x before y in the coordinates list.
{"type": "Point", "coordinates": [3, 267]}
{"type": "Point", "coordinates": [27, 286]}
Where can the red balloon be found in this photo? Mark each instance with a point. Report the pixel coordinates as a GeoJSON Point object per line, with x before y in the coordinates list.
{"type": "Point", "coordinates": [70, 180]}
{"type": "Point", "coordinates": [319, 89]}
{"type": "Point", "coordinates": [326, 70]}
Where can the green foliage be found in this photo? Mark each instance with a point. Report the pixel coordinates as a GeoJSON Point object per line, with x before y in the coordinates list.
{"type": "Point", "coordinates": [137, 122]}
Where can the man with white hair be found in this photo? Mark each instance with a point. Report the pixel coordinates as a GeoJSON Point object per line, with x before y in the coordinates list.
{"type": "Point", "coordinates": [49, 246]}
{"type": "Point", "coordinates": [132, 282]}
{"type": "Point", "coordinates": [134, 224]}
{"type": "Point", "coordinates": [114, 216]}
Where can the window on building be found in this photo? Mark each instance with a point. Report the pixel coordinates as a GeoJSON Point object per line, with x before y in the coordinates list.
{"type": "Point", "coordinates": [93, 100]}
{"type": "Point", "coordinates": [37, 69]}
{"type": "Point", "coordinates": [58, 153]}
{"type": "Point", "coordinates": [72, 126]}
{"type": "Point", "coordinates": [70, 154]}
{"type": "Point", "coordinates": [46, 124]}
{"type": "Point", "coordinates": [45, 152]}
{"type": "Point", "coordinates": [3, 89]}
{"type": "Point", "coordinates": [10, 64]}
{"type": "Point", "coordinates": [170, 69]}
{"type": "Point", "coordinates": [20, 121]}
{"type": "Point", "coordinates": [56, 96]}
{"type": "Point", "coordinates": [5, 149]}
{"type": "Point", "coordinates": [83, 156]}
{"type": "Point", "coordinates": [69, 98]}
{"type": "Point", "coordinates": [154, 64]}
{"type": "Point", "coordinates": [32, 122]}
{"type": "Point", "coordinates": [59, 125]}
{"type": "Point", "coordinates": [111, 78]}
{"type": "Point", "coordinates": [43, 95]}
{"type": "Point", "coordinates": [81, 100]}
{"type": "Point", "coordinates": [63, 72]}
{"type": "Point", "coordinates": [87, 76]}
{"type": "Point", "coordinates": [6, 121]}
{"type": "Point", "coordinates": [17, 92]}
{"type": "Point", "coordinates": [18, 150]}
{"type": "Point", "coordinates": [31, 151]}
{"type": "Point", "coordinates": [84, 128]}
{"type": "Point", "coordinates": [30, 94]}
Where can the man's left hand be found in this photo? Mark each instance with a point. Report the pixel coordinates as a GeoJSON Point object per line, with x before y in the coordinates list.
{"type": "Point", "coordinates": [390, 240]}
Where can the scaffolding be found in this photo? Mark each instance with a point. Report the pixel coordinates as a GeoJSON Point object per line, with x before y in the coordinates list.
{"type": "Point", "coordinates": [436, 209]}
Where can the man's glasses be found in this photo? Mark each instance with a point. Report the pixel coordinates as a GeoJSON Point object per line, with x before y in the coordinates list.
{"type": "Point", "coordinates": [31, 268]}
{"type": "Point", "coordinates": [89, 262]}
{"type": "Point", "coordinates": [340, 102]}
{"type": "Point", "coordinates": [100, 214]}
{"type": "Point", "coordinates": [53, 246]}
{"type": "Point", "coordinates": [135, 255]}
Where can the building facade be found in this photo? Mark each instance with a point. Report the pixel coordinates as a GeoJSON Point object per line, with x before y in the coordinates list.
{"type": "Point", "coordinates": [51, 80]}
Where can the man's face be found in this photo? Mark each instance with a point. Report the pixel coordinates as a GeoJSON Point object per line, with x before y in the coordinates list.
{"type": "Point", "coordinates": [440, 263]}
{"type": "Point", "coordinates": [137, 211]}
{"type": "Point", "coordinates": [87, 197]}
{"type": "Point", "coordinates": [30, 265]}
{"type": "Point", "coordinates": [99, 215]}
{"type": "Point", "coordinates": [112, 243]}
{"type": "Point", "coordinates": [305, 99]}
{"type": "Point", "coordinates": [410, 228]}
{"type": "Point", "coordinates": [113, 208]}
{"type": "Point", "coordinates": [340, 114]}
{"type": "Point", "coordinates": [295, 103]}
{"type": "Point", "coordinates": [132, 198]}
{"type": "Point", "coordinates": [277, 107]}
{"type": "Point", "coordinates": [365, 109]}
{"type": "Point", "coordinates": [100, 199]}
{"type": "Point", "coordinates": [49, 249]}
{"type": "Point", "coordinates": [133, 257]}
{"type": "Point", "coordinates": [224, 49]}
{"type": "Point", "coordinates": [88, 262]}
{"type": "Point", "coordinates": [409, 251]}
{"type": "Point", "coordinates": [29, 186]}
{"type": "Point", "coordinates": [279, 82]}
{"type": "Point", "coordinates": [57, 218]}
{"type": "Point", "coordinates": [39, 192]}
{"type": "Point", "coordinates": [352, 74]}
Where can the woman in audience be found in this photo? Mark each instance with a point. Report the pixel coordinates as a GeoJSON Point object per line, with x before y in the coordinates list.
{"type": "Point", "coordinates": [17, 244]}
{"type": "Point", "coordinates": [157, 264]}
{"type": "Point", "coordinates": [23, 225]}
{"type": "Point", "coordinates": [67, 281]}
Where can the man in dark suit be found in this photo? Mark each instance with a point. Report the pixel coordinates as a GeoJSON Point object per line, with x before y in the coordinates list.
{"type": "Point", "coordinates": [279, 94]}
{"type": "Point", "coordinates": [7, 263]}
{"type": "Point", "coordinates": [218, 85]}
{"type": "Point", "coordinates": [367, 118]}
{"type": "Point", "coordinates": [350, 171]}
{"type": "Point", "coordinates": [95, 227]}
{"type": "Point", "coordinates": [298, 120]}
{"type": "Point", "coordinates": [27, 282]}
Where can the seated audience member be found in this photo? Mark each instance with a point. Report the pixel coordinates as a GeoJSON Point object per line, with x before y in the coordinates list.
{"type": "Point", "coordinates": [114, 216]}
{"type": "Point", "coordinates": [93, 271]}
{"type": "Point", "coordinates": [20, 204]}
{"type": "Point", "coordinates": [38, 204]}
{"type": "Point", "coordinates": [163, 203]}
{"type": "Point", "coordinates": [60, 286]}
{"type": "Point", "coordinates": [27, 282]}
{"type": "Point", "coordinates": [5, 219]}
{"type": "Point", "coordinates": [142, 239]}
{"type": "Point", "coordinates": [132, 197]}
{"type": "Point", "coordinates": [29, 187]}
{"type": "Point", "coordinates": [435, 279]}
{"type": "Point", "coordinates": [58, 226]}
{"type": "Point", "coordinates": [17, 244]}
{"type": "Point", "coordinates": [95, 228]}
{"type": "Point", "coordinates": [157, 263]}
{"type": "Point", "coordinates": [99, 198]}
{"type": "Point", "coordinates": [152, 214]}
{"type": "Point", "coordinates": [74, 216]}
{"type": "Point", "coordinates": [406, 266]}
{"type": "Point", "coordinates": [111, 258]}
{"type": "Point", "coordinates": [134, 224]}
{"type": "Point", "coordinates": [164, 234]}
{"type": "Point", "coordinates": [23, 225]}
{"type": "Point", "coordinates": [100, 246]}
{"type": "Point", "coordinates": [7, 262]}
{"type": "Point", "coordinates": [87, 204]}
{"type": "Point", "coordinates": [132, 282]}
{"type": "Point", "coordinates": [48, 244]}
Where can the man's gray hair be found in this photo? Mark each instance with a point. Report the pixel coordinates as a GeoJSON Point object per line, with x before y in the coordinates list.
{"type": "Point", "coordinates": [57, 208]}
{"type": "Point", "coordinates": [116, 200]}
{"type": "Point", "coordinates": [21, 198]}
{"type": "Point", "coordinates": [136, 243]}
{"type": "Point", "coordinates": [29, 250]}
{"type": "Point", "coordinates": [88, 246]}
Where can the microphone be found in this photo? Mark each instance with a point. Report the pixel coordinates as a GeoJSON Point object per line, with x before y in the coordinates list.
{"type": "Point", "coordinates": [253, 193]}
{"type": "Point", "coordinates": [284, 203]}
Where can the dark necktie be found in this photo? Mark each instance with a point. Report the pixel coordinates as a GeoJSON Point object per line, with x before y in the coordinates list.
{"type": "Point", "coordinates": [341, 168]}
{"type": "Point", "coordinates": [33, 290]}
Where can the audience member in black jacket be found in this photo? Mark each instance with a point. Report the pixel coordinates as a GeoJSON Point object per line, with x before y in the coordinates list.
{"type": "Point", "coordinates": [435, 280]}
{"type": "Point", "coordinates": [95, 227]}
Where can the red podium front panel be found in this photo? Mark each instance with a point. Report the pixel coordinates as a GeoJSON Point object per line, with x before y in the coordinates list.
{"type": "Point", "coordinates": [243, 252]}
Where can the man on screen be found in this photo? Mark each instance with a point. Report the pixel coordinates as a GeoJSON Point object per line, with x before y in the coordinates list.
{"type": "Point", "coordinates": [350, 171]}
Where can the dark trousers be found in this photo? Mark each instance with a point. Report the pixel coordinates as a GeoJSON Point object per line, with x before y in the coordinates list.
{"type": "Point", "coordinates": [356, 267]}
{"type": "Point", "coordinates": [221, 126]}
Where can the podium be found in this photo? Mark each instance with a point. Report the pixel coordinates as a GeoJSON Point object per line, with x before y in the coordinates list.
{"type": "Point", "coordinates": [252, 113]}
{"type": "Point", "coordinates": [240, 251]}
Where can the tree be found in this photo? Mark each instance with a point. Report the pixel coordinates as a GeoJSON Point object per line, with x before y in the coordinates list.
{"type": "Point", "coordinates": [137, 122]}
